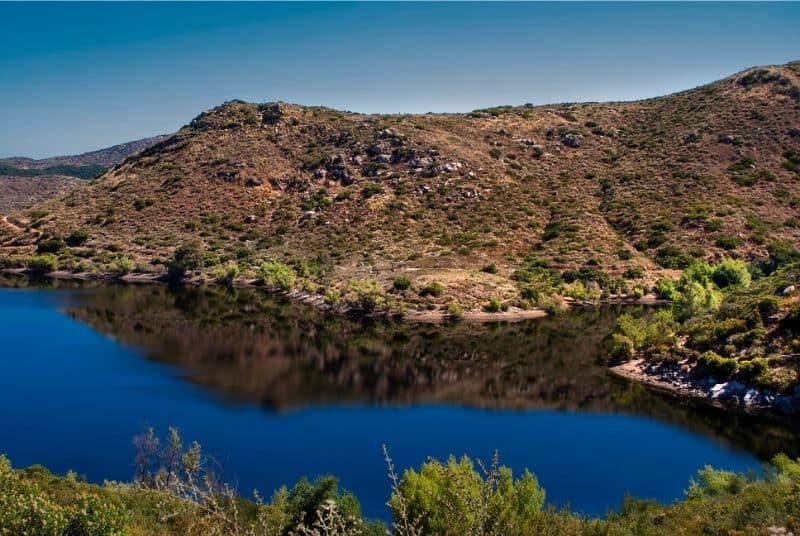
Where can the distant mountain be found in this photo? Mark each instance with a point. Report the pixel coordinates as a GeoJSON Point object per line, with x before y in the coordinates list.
{"type": "Point", "coordinates": [26, 181]}
{"type": "Point", "coordinates": [102, 158]}
{"type": "Point", "coordinates": [513, 203]}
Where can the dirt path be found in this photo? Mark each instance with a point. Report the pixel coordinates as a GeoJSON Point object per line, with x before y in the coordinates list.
{"type": "Point", "coordinates": [20, 230]}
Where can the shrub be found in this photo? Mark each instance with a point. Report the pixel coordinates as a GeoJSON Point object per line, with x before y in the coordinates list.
{"type": "Point", "coordinates": [494, 305]}
{"type": "Point", "coordinates": [727, 242]}
{"type": "Point", "coordinates": [53, 245]}
{"type": "Point", "coordinates": [666, 289]}
{"type": "Point", "coordinates": [186, 258]}
{"type": "Point", "coordinates": [364, 295]}
{"type": "Point", "coordinates": [489, 268]}
{"type": "Point", "coordinates": [227, 274]}
{"type": "Point", "coordinates": [714, 482]}
{"type": "Point", "coordinates": [453, 499]}
{"type": "Point", "coordinates": [454, 310]}
{"type": "Point", "coordinates": [432, 289]}
{"type": "Point", "coordinates": [731, 272]}
{"type": "Point", "coordinates": [77, 238]}
{"type": "Point", "coordinates": [717, 365]}
{"type": "Point", "coordinates": [41, 264]}
{"type": "Point", "coordinates": [634, 273]}
{"type": "Point", "coordinates": [625, 254]}
{"type": "Point", "coordinates": [401, 283]}
{"type": "Point", "coordinates": [123, 265]}
{"type": "Point", "coordinates": [672, 257]}
{"type": "Point", "coordinates": [277, 274]}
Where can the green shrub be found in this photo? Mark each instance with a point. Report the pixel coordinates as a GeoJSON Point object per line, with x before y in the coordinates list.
{"type": "Point", "coordinates": [723, 367]}
{"type": "Point", "coordinates": [454, 310]}
{"type": "Point", "coordinates": [453, 499]}
{"type": "Point", "coordinates": [277, 274]}
{"type": "Point", "coordinates": [365, 295]}
{"type": "Point", "coordinates": [727, 242]}
{"type": "Point", "coordinates": [432, 289]}
{"type": "Point", "coordinates": [228, 273]}
{"type": "Point", "coordinates": [401, 283]}
{"type": "Point", "coordinates": [123, 265]}
{"type": "Point", "coordinates": [712, 482]}
{"type": "Point", "coordinates": [186, 258]}
{"type": "Point", "coordinates": [41, 264]}
{"type": "Point", "coordinates": [53, 245]}
{"type": "Point", "coordinates": [489, 268]}
{"type": "Point", "coordinates": [635, 272]}
{"type": "Point", "coordinates": [77, 238]}
{"type": "Point", "coordinates": [666, 289]}
{"type": "Point", "coordinates": [731, 273]}
{"type": "Point", "coordinates": [494, 305]}
{"type": "Point", "coordinates": [625, 254]}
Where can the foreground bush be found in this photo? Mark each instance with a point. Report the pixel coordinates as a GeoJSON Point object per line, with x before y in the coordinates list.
{"type": "Point", "coordinates": [177, 492]}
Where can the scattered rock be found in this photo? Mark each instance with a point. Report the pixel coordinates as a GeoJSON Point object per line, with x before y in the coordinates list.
{"type": "Point", "coordinates": [525, 141]}
{"type": "Point", "coordinates": [252, 218]}
{"type": "Point", "coordinates": [572, 140]}
{"type": "Point", "coordinates": [727, 139]}
{"type": "Point", "coordinates": [308, 214]}
{"type": "Point", "coordinates": [271, 113]}
{"type": "Point", "coordinates": [320, 173]}
{"type": "Point", "coordinates": [788, 290]}
{"type": "Point", "coordinates": [252, 182]}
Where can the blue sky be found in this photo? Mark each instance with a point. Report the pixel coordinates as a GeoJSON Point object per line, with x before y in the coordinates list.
{"type": "Point", "coordinates": [76, 77]}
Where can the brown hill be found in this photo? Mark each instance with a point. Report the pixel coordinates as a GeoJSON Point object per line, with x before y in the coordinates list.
{"type": "Point", "coordinates": [495, 203]}
{"type": "Point", "coordinates": [25, 182]}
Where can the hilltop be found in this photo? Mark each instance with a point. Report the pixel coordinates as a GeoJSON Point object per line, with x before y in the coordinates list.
{"type": "Point", "coordinates": [514, 206]}
{"type": "Point", "coordinates": [25, 182]}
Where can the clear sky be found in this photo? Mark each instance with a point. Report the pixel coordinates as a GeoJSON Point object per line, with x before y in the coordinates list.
{"type": "Point", "coordinates": [76, 77]}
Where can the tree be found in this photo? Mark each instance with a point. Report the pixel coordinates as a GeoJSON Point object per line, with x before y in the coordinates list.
{"type": "Point", "coordinates": [186, 258]}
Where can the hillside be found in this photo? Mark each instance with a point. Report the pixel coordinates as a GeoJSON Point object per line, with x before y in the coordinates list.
{"type": "Point", "coordinates": [25, 182]}
{"type": "Point", "coordinates": [522, 204]}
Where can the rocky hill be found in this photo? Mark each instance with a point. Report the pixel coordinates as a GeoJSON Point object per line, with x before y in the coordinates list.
{"type": "Point", "coordinates": [515, 203]}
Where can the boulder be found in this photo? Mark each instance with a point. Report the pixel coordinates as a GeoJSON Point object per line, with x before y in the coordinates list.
{"type": "Point", "coordinates": [788, 290]}
{"type": "Point", "coordinates": [571, 140]}
{"type": "Point", "coordinates": [252, 182]}
{"type": "Point", "coordinates": [252, 218]}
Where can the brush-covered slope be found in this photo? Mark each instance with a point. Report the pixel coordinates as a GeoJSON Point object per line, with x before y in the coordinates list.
{"type": "Point", "coordinates": [495, 203]}
{"type": "Point", "coordinates": [25, 182]}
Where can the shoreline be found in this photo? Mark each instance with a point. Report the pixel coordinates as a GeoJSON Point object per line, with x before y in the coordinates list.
{"type": "Point", "coordinates": [679, 382]}
{"type": "Point", "coordinates": [513, 314]}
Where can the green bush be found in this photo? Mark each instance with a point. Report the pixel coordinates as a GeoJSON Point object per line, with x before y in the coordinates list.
{"type": "Point", "coordinates": [723, 367]}
{"type": "Point", "coordinates": [432, 289]}
{"type": "Point", "coordinates": [53, 245]}
{"type": "Point", "coordinates": [277, 274]}
{"type": "Point", "coordinates": [666, 289]}
{"type": "Point", "coordinates": [186, 258]}
{"type": "Point", "coordinates": [454, 310]}
{"type": "Point", "coordinates": [41, 264]}
{"type": "Point", "coordinates": [494, 305]}
{"type": "Point", "coordinates": [727, 242]}
{"type": "Point", "coordinates": [731, 273]}
{"type": "Point", "coordinates": [401, 283]}
{"type": "Point", "coordinates": [77, 238]}
{"type": "Point", "coordinates": [453, 499]}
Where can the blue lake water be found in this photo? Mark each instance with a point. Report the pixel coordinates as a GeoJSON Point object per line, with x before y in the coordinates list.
{"type": "Point", "coordinates": [276, 391]}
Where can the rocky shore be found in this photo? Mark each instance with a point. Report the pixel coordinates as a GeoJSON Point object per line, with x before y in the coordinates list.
{"type": "Point", "coordinates": [683, 381]}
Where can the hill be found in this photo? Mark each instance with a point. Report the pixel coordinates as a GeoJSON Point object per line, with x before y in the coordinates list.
{"type": "Point", "coordinates": [25, 182]}
{"type": "Point", "coordinates": [508, 206]}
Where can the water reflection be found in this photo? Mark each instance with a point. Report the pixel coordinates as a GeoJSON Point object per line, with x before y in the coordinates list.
{"type": "Point", "coordinates": [250, 347]}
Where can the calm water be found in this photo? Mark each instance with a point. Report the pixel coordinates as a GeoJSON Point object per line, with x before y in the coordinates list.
{"type": "Point", "coordinates": [277, 391]}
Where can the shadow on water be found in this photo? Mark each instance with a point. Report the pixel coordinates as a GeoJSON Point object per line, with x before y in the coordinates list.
{"type": "Point", "coordinates": [247, 346]}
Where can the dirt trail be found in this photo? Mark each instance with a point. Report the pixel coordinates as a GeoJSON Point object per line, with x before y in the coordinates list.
{"type": "Point", "coordinates": [16, 228]}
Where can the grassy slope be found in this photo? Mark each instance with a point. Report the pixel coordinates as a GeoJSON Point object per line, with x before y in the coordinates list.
{"type": "Point", "coordinates": [652, 174]}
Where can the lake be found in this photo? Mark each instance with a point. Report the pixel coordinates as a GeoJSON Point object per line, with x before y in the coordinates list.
{"type": "Point", "coordinates": [277, 390]}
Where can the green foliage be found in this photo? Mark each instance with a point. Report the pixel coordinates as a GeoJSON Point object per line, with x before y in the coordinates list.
{"type": "Point", "coordinates": [227, 274]}
{"type": "Point", "coordinates": [186, 258]}
{"type": "Point", "coordinates": [723, 367]}
{"type": "Point", "coordinates": [365, 295]}
{"type": "Point", "coordinates": [667, 289]}
{"type": "Point", "coordinates": [41, 264]}
{"type": "Point", "coordinates": [77, 238]}
{"type": "Point", "coordinates": [727, 242]}
{"type": "Point", "coordinates": [401, 283]}
{"type": "Point", "coordinates": [731, 273]}
{"type": "Point", "coordinates": [53, 245]}
{"type": "Point", "coordinates": [432, 289]}
{"type": "Point", "coordinates": [494, 305]}
{"type": "Point", "coordinates": [277, 274]}
{"type": "Point", "coordinates": [123, 265]}
{"type": "Point", "coordinates": [453, 499]}
{"type": "Point", "coordinates": [711, 482]}
{"type": "Point", "coordinates": [454, 310]}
